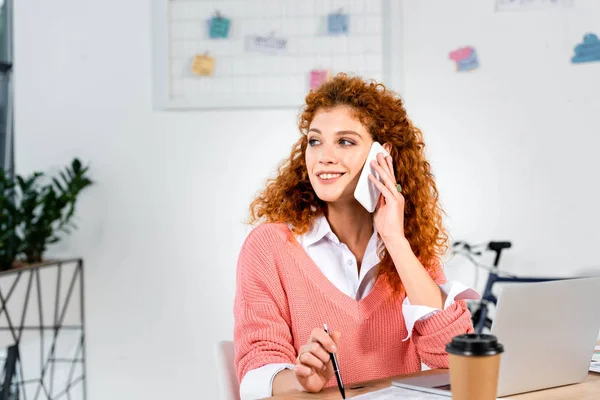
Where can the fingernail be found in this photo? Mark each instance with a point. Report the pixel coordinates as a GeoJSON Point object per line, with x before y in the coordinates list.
{"type": "Point", "coordinates": [333, 348]}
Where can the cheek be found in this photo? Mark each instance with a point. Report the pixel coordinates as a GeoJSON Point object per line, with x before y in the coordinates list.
{"type": "Point", "coordinates": [355, 161]}
{"type": "Point", "coordinates": [309, 159]}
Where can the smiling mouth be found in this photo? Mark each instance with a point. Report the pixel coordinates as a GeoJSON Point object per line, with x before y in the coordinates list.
{"type": "Point", "coordinates": [330, 176]}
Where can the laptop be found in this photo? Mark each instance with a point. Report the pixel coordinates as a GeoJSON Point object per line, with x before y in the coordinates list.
{"type": "Point", "coordinates": [548, 329]}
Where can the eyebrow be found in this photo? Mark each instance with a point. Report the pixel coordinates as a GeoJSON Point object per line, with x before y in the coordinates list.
{"type": "Point", "coordinates": [338, 133]}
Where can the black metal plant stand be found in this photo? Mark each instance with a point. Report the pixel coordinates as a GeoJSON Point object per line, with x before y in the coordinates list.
{"type": "Point", "coordinates": [42, 328]}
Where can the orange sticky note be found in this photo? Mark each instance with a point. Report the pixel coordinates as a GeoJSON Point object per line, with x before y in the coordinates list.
{"type": "Point", "coordinates": [203, 65]}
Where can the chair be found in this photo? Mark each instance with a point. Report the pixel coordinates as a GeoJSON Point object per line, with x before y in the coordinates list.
{"type": "Point", "coordinates": [229, 388]}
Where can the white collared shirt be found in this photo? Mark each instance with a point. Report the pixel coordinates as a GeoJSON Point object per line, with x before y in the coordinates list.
{"type": "Point", "coordinates": [339, 265]}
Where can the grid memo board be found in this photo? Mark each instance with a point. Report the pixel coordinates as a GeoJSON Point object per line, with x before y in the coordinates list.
{"type": "Point", "coordinates": [241, 76]}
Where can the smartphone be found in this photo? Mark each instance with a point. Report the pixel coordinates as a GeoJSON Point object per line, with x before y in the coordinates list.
{"type": "Point", "coordinates": [366, 193]}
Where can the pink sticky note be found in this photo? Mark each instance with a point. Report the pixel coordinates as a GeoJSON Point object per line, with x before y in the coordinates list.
{"type": "Point", "coordinates": [461, 54]}
{"type": "Point", "coordinates": [318, 77]}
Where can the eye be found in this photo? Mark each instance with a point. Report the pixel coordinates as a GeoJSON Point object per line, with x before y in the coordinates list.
{"type": "Point", "coordinates": [313, 142]}
{"type": "Point", "coordinates": [346, 142]}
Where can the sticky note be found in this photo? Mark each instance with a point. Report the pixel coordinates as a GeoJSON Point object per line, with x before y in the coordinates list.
{"type": "Point", "coordinates": [318, 77]}
{"type": "Point", "coordinates": [465, 58]}
{"type": "Point", "coordinates": [337, 23]}
{"type": "Point", "coordinates": [266, 44]}
{"type": "Point", "coordinates": [587, 51]}
{"type": "Point", "coordinates": [203, 65]}
{"type": "Point", "coordinates": [218, 27]}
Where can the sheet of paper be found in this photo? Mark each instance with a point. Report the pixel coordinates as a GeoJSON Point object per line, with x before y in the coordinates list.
{"type": "Point", "coordinates": [396, 393]}
{"type": "Point", "coordinates": [527, 5]}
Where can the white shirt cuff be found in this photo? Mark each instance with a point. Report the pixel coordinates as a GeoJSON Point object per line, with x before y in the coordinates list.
{"type": "Point", "coordinates": [258, 383]}
{"type": "Point", "coordinates": [454, 290]}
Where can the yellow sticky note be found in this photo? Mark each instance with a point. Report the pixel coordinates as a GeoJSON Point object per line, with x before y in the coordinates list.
{"type": "Point", "coordinates": [203, 65]}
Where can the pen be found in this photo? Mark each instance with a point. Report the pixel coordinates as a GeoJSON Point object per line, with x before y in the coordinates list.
{"type": "Point", "coordinates": [338, 377]}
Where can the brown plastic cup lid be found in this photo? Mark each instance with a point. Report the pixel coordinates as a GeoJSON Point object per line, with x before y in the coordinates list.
{"type": "Point", "coordinates": [475, 345]}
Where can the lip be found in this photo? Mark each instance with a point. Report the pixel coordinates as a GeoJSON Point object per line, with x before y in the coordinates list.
{"type": "Point", "coordinates": [328, 172]}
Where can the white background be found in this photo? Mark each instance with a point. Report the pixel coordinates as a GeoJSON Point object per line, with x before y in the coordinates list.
{"type": "Point", "coordinates": [513, 144]}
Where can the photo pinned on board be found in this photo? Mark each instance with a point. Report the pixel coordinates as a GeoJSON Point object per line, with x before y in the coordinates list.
{"type": "Point", "coordinates": [203, 65]}
{"type": "Point", "coordinates": [588, 50]}
{"type": "Point", "coordinates": [466, 59]}
{"type": "Point", "coordinates": [218, 26]}
{"type": "Point", "coordinates": [337, 23]}
{"type": "Point", "coordinates": [318, 77]}
{"type": "Point", "coordinates": [266, 44]}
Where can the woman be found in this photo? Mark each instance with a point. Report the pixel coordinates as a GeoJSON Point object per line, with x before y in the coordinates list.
{"type": "Point", "coordinates": [319, 257]}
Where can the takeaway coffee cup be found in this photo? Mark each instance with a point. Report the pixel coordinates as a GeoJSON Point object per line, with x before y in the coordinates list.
{"type": "Point", "coordinates": [474, 366]}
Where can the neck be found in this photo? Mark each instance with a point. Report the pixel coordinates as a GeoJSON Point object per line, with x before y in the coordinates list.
{"type": "Point", "coordinates": [351, 223]}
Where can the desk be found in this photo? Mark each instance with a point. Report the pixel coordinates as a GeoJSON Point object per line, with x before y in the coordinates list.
{"type": "Point", "coordinates": [587, 390]}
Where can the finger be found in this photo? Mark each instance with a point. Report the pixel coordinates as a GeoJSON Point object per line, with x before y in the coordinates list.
{"type": "Point", "coordinates": [385, 191]}
{"type": "Point", "coordinates": [312, 361]}
{"type": "Point", "coordinates": [383, 162]}
{"type": "Point", "coordinates": [336, 336]}
{"type": "Point", "coordinates": [385, 176]}
{"type": "Point", "coordinates": [382, 159]}
{"type": "Point", "coordinates": [380, 202]}
{"type": "Point", "coordinates": [317, 350]}
{"type": "Point", "coordinates": [302, 370]}
{"type": "Point", "coordinates": [391, 165]}
{"type": "Point", "coordinates": [320, 336]}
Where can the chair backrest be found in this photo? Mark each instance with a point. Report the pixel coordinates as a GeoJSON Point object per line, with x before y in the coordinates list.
{"type": "Point", "coordinates": [229, 388]}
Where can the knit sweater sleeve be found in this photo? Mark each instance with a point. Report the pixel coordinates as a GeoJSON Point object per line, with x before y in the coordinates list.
{"type": "Point", "coordinates": [432, 334]}
{"type": "Point", "coordinates": [262, 322]}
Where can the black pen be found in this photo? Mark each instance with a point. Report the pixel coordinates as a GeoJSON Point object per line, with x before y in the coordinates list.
{"type": "Point", "coordinates": [338, 377]}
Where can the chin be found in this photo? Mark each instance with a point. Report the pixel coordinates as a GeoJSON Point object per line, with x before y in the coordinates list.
{"type": "Point", "coordinates": [333, 196]}
{"type": "Point", "coordinates": [332, 193]}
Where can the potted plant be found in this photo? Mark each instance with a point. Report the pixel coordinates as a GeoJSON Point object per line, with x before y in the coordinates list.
{"type": "Point", "coordinates": [36, 211]}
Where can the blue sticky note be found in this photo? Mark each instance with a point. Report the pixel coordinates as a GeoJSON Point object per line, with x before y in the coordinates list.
{"type": "Point", "coordinates": [218, 27]}
{"type": "Point", "coordinates": [587, 51]}
{"type": "Point", "coordinates": [466, 59]}
{"type": "Point", "coordinates": [468, 64]}
{"type": "Point", "coordinates": [337, 23]}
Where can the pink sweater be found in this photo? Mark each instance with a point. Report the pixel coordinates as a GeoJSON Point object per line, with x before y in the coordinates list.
{"type": "Point", "coordinates": [281, 295]}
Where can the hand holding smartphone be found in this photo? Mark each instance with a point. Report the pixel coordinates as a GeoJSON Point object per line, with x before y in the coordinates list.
{"type": "Point", "coordinates": [366, 193]}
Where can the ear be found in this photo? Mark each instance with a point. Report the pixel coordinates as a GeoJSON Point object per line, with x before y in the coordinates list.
{"type": "Point", "coordinates": [387, 146]}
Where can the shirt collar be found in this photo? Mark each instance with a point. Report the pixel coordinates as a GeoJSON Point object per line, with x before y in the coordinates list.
{"type": "Point", "coordinates": [321, 229]}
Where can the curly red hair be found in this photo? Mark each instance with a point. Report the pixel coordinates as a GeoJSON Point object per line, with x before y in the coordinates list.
{"type": "Point", "coordinates": [290, 198]}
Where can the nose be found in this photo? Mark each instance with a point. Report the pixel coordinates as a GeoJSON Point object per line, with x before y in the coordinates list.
{"type": "Point", "coordinates": [327, 155]}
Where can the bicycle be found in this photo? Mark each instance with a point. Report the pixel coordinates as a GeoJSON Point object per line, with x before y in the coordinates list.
{"type": "Point", "coordinates": [479, 310]}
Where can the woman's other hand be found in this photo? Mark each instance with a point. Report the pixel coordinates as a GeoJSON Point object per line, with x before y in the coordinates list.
{"type": "Point", "coordinates": [313, 367]}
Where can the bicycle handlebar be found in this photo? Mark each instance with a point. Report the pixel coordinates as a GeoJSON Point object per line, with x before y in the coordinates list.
{"type": "Point", "coordinates": [493, 246]}
{"type": "Point", "coordinates": [498, 246]}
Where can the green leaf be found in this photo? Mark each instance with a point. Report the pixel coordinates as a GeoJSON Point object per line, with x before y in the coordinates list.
{"type": "Point", "coordinates": [58, 185]}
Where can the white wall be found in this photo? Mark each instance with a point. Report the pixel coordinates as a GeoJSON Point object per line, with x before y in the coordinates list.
{"type": "Point", "coordinates": [160, 231]}
{"type": "Point", "coordinates": [161, 228]}
{"type": "Point", "coordinates": [514, 143]}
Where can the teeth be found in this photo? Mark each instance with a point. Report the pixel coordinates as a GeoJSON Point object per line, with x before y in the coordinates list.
{"type": "Point", "coordinates": [329, 176]}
